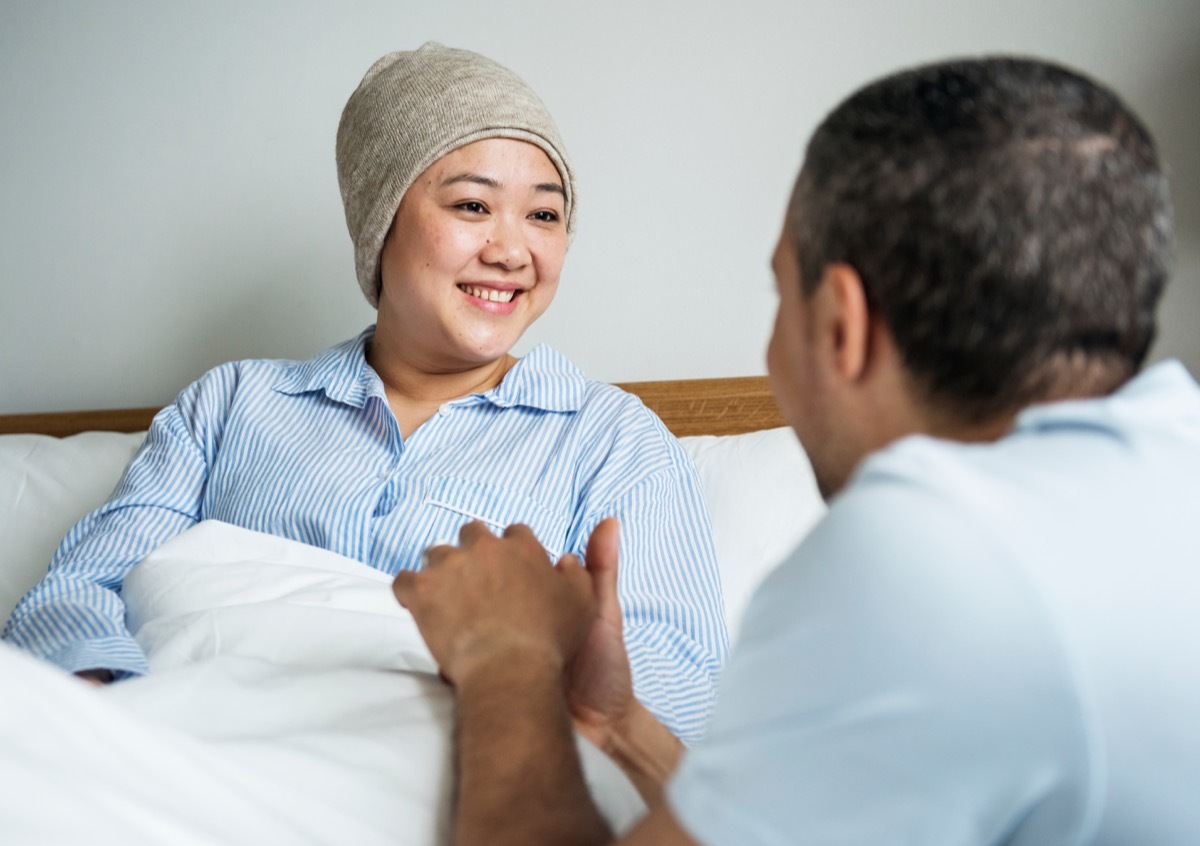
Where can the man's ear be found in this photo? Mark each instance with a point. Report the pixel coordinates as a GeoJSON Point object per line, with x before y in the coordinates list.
{"type": "Point", "coordinates": [847, 319]}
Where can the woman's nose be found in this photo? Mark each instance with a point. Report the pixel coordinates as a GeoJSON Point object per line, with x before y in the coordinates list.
{"type": "Point", "coordinates": [506, 247]}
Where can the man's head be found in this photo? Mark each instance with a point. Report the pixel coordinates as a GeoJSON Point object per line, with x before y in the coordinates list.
{"type": "Point", "coordinates": [1008, 222]}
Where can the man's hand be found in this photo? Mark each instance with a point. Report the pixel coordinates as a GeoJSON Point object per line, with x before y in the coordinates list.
{"type": "Point", "coordinates": [599, 687]}
{"type": "Point", "coordinates": [504, 624]}
{"type": "Point", "coordinates": [493, 599]}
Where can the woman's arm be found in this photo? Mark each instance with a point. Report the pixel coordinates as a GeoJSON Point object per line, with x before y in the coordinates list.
{"type": "Point", "coordinates": [670, 589]}
{"type": "Point", "coordinates": [599, 687]}
{"type": "Point", "coordinates": [75, 617]}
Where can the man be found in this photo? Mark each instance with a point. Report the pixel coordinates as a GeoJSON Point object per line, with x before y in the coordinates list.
{"type": "Point", "coordinates": [992, 636]}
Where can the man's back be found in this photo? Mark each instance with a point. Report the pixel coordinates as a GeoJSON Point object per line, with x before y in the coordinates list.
{"type": "Point", "coordinates": [981, 644]}
{"type": "Point", "coordinates": [1115, 552]}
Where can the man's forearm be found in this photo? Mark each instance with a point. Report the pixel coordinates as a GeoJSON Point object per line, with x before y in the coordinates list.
{"type": "Point", "coordinates": [520, 780]}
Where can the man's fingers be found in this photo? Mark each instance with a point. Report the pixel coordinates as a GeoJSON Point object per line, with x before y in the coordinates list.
{"type": "Point", "coordinates": [435, 553]}
{"type": "Point", "coordinates": [572, 569]}
{"type": "Point", "coordinates": [521, 532]}
{"type": "Point", "coordinates": [473, 531]}
{"type": "Point", "coordinates": [402, 586]}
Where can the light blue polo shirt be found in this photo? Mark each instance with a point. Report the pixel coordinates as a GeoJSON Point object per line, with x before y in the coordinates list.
{"type": "Point", "coordinates": [980, 644]}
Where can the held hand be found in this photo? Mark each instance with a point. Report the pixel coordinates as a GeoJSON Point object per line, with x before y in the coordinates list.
{"type": "Point", "coordinates": [600, 689]}
{"type": "Point", "coordinates": [599, 686]}
{"type": "Point", "coordinates": [497, 601]}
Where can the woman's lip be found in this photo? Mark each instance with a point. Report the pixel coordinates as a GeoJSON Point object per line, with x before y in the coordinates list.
{"type": "Point", "coordinates": [492, 286]}
{"type": "Point", "coordinates": [490, 306]}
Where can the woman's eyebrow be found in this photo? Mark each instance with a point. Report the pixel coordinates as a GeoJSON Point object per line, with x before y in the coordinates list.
{"type": "Point", "coordinates": [471, 177]}
{"type": "Point", "coordinates": [488, 182]}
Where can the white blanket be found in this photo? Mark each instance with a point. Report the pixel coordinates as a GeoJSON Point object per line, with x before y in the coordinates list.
{"type": "Point", "coordinates": [290, 700]}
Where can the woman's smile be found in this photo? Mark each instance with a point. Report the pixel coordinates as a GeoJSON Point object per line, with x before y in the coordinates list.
{"type": "Point", "coordinates": [473, 257]}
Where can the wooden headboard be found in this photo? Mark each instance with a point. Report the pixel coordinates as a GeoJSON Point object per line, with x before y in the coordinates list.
{"type": "Point", "coordinates": [688, 407]}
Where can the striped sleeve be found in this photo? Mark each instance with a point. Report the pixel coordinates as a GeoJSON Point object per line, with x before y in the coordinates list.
{"type": "Point", "coordinates": [75, 617]}
{"type": "Point", "coordinates": [670, 592]}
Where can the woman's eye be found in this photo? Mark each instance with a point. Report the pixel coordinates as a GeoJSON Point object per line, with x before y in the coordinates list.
{"type": "Point", "coordinates": [472, 206]}
{"type": "Point", "coordinates": [545, 216]}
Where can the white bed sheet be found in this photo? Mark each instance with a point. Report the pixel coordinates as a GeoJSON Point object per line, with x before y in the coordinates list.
{"type": "Point", "coordinates": [291, 701]}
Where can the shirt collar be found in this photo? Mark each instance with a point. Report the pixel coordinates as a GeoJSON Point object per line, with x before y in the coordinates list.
{"type": "Point", "coordinates": [1164, 392]}
{"type": "Point", "coordinates": [341, 372]}
{"type": "Point", "coordinates": [543, 378]}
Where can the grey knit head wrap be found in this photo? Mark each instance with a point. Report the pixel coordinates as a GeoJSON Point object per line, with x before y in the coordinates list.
{"type": "Point", "coordinates": [411, 109]}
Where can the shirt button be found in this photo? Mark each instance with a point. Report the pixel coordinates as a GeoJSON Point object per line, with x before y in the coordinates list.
{"type": "Point", "coordinates": [444, 411]}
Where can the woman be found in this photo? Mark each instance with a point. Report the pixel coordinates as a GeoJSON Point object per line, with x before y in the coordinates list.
{"type": "Point", "coordinates": [460, 201]}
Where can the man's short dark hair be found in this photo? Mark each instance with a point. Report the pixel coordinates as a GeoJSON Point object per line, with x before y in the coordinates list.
{"type": "Point", "coordinates": [1010, 221]}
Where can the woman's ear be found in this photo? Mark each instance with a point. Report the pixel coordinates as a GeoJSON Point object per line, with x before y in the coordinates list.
{"type": "Point", "coordinates": [846, 319]}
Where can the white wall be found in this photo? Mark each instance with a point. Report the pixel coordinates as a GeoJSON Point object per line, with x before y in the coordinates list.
{"type": "Point", "coordinates": [168, 198]}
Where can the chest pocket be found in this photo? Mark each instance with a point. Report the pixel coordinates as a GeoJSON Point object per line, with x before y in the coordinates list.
{"type": "Point", "coordinates": [499, 508]}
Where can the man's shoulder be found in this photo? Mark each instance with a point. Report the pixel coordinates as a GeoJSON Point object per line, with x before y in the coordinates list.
{"type": "Point", "coordinates": [1058, 457]}
{"type": "Point", "coordinates": [1017, 524]}
{"type": "Point", "coordinates": [923, 535]}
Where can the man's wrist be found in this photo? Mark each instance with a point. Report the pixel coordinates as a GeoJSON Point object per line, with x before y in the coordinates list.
{"type": "Point", "coordinates": [505, 666]}
{"type": "Point", "coordinates": [520, 779]}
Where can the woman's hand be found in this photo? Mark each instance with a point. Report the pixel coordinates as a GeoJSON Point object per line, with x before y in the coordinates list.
{"type": "Point", "coordinates": [599, 686]}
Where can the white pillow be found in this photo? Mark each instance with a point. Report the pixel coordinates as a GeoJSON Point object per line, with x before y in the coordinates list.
{"type": "Point", "coordinates": [762, 498]}
{"type": "Point", "coordinates": [759, 488]}
{"type": "Point", "coordinates": [46, 485]}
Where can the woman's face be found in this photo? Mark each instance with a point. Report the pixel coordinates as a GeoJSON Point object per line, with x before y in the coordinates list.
{"type": "Point", "coordinates": [473, 256]}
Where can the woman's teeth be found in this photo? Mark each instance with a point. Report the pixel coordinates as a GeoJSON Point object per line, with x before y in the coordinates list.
{"type": "Point", "coordinates": [489, 294]}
